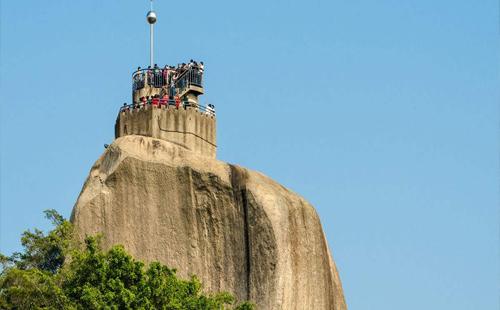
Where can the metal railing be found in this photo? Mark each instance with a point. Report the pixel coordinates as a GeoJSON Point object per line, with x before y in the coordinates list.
{"type": "Point", "coordinates": [170, 104]}
{"type": "Point", "coordinates": [192, 76]}
{"type": "Point", "coordinates": [159, 78]}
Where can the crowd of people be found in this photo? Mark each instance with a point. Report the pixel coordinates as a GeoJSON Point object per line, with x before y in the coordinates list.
{"type": "Point", "coordinates": [170, 77]}
{"type": "Point", "coordinates": [164, 101]}
{"type": "Point", "coordinates": [172, 81]}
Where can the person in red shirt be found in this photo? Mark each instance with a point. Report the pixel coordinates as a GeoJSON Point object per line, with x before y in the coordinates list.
{"type": "Point", "coordinates": [164, 100]}
{"type": "Point", "coordinates": [155, 101]}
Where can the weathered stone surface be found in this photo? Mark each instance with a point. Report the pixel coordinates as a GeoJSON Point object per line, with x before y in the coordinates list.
{"type": "Point", "coordinates": [190, 128]}
{"type": "Point", "coordinates": [236, 229]}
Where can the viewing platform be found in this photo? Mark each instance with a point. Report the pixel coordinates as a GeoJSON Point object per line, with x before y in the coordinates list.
{"type": "Point", "coordinates": [165, 106]}
{"type": "Point", "coordinates": [184, 81]}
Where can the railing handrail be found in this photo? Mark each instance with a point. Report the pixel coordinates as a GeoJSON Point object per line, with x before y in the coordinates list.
{"type": "Point", "coordinates": [146, 69]}
{"type": "Point", "coordinates": [185, 104]}
{"type": "Point", "coordinates": [188, 70]}
{"type": "Point", "coordinates": [189, 75]}
{"type": "Point", "coordinates": [161, 69]}
{"type": "Point", "coordinates": [183, 74]}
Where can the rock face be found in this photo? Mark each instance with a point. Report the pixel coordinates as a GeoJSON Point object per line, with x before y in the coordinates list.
{"type": "Point", "coordinates": [236, 229]}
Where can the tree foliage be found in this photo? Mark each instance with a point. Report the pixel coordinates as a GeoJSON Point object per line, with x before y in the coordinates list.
{"type": "Point", "coordinates": [53, 273]}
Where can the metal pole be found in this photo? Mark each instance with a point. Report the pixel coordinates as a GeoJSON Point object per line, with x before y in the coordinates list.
{"type": "Point", "coordinates": [151, 18]}
{"type": "Point", "coordinates": [151, 46]}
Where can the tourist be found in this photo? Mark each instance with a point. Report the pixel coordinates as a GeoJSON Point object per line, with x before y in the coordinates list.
{"type": "Point", "coordinates": [164, 100]}
{"type": "Point", "coordinates": [165, 74]}
{"type": "Point", "coordinates": [149, 74]}
{"type": "Point", "coordinates": [155, 101]}
{"type": "Point", "coordinates": [156, 76]}
{"type": "Point", "coordinates": [172, 87]}
{"type": "Point", "coordinates": [180, 81]}
{"type": "Point", "coordinates": [210, 109]}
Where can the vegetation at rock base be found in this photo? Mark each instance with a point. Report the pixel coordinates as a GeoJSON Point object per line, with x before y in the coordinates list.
{"type": "Point", "coordinates": [53, 272]}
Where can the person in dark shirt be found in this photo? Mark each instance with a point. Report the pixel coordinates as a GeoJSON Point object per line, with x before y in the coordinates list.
{"type": "Point", "coordinates": [149, 75]}
{"type": "Point", "coordinates": [172, 87]}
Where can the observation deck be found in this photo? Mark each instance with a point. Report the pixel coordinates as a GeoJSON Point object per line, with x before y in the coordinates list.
{"type": "Point", "coordinates": [165, 106]}
{"type": "Point", "coordinates": [185, 82]}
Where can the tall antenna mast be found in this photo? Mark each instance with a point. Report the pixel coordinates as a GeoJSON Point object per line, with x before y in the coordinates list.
{"type": "Point", "coordinates": [151, 18]}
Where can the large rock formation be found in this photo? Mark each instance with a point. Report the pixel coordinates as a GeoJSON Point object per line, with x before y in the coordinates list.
{"type": "Point", "coordinates": [236, 229]}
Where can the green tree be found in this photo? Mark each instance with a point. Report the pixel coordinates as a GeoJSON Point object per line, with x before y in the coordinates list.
{"type": "Point", "coordinates": [45, 252]}
{"type": "Point", "coordinates": [53, 273]}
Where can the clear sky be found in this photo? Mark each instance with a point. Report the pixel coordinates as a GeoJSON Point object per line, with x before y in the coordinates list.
{"type": "Point", "coordinates": [383, 114]}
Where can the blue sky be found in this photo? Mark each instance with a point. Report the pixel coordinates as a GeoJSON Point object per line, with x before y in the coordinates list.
{"type": "Point", "coordinates": [383, 114]}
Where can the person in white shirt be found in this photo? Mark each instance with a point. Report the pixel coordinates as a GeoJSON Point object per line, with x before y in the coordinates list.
{"type": "Point", "coordinates": [210, 110]}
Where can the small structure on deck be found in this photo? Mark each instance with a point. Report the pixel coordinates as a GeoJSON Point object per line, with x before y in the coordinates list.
{"type": "Point", "coordinates": [165, 105]}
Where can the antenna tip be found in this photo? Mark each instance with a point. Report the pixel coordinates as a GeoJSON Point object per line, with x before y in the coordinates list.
{"type": "Point", "coordinates": [151, 17]}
